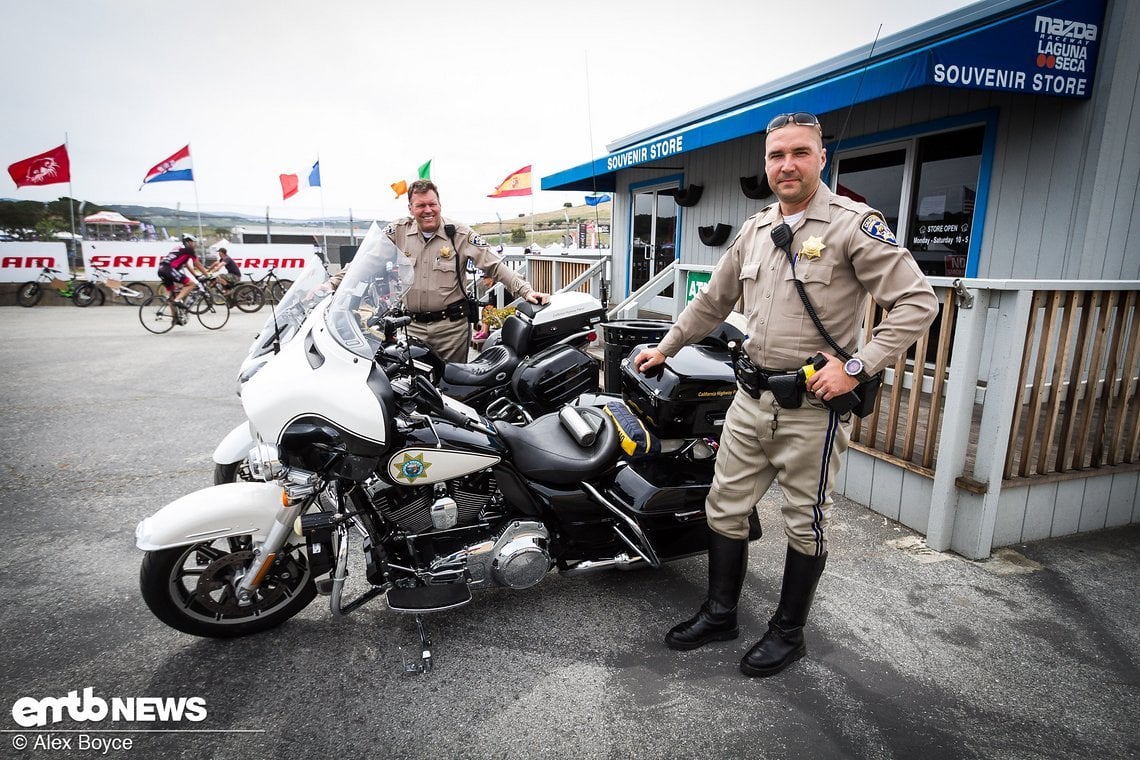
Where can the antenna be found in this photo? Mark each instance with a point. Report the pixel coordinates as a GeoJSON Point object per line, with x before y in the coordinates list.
{"type": "Point", "coordinates": [858, 87]}
{"type": "Point", "coordinates": [590, 154]}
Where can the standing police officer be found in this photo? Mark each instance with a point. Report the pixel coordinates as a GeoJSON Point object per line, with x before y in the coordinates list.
{"type": "Point", "coordinates": [843, 251]}
{"type": "Point", "coordinates": [440, 252]}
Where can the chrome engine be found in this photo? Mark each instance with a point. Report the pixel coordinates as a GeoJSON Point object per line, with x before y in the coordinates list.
{"type": "Point", "coordinates": [518, 558]}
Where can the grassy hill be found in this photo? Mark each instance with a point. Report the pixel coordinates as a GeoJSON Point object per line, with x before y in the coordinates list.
{"type": "Point", "coordinates": [549, 226]}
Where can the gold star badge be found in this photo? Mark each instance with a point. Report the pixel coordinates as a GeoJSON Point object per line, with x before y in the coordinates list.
{"type": "Point", "coordinates": [410, 468]}
{"type": "Point", "coordinates": [812, 247]}
{"type": "Point", "coordinates": [445, 252]}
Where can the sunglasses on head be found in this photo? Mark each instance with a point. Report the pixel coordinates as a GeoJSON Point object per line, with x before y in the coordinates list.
{"type": "Point", "coordinates": [800, 118]}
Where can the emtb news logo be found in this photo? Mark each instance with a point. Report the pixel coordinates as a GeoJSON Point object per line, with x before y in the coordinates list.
{"type": "Point", "coordinates": [30, 712]}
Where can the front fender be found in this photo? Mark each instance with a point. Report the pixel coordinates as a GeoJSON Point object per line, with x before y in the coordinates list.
{"type": "Point", "coordinates": [236, 445]}
{"type": "Point", "coordinates": [232, 509]}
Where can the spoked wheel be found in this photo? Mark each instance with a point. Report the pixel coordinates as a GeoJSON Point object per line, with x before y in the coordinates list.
{"type": "Point", "coordinates": [247, 298]}
{"type": "Point", "coordinates": [29, 294]}
{"type": "Point", "coordinates": [211, 315]}
{"type": "Point", "coordinates": [277, 291]}
{"type": "Point", "coordinates": [88, 294]}
{"type": "Point", "coordinates": [215, 294]}
{"type": "Point", "coordinates": [192, 588]}
{"type": "Point", "coordinates": [136, 293]}
{"type": "Point", "coordinates": [154, 313]}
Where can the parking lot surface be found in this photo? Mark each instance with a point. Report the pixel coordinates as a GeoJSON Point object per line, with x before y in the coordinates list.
{"type": "Point", "coordinates": [1031, 654]}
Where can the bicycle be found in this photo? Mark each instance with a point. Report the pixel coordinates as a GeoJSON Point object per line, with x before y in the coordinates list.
{"type": "Point", "coordinates": [271, 287]}
{"type": "Point", "coordinates": [155, 314]}
{"type": "Point", "coordinates": [30, 293]}
{"type": "Point", "coordinates": [132, 293]}
{"type": "Point", "coordinates": [244, 296]}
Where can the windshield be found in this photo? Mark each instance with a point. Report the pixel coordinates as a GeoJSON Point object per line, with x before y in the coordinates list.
{"type": "Point", "coordinates": [306, 292]}
{"type": "Point", "coordinates": [374, 283]}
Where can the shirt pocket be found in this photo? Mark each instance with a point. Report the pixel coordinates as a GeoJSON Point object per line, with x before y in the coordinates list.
{"type": "Point", "coordinates": [443, 275]}
{"type": "Point", "coordinates": [816, 279]}
{"type": "Point", "coordinates": [750, 286]}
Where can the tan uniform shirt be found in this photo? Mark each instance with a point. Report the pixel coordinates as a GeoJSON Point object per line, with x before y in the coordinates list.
{"type": "Point", "coordinates": [844, 251]}
{"type": "Point", "coordinates": [436, 260]}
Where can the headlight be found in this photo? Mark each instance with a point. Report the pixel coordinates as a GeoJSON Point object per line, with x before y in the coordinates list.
{"type": "Point", "coordinates": [265, 462]}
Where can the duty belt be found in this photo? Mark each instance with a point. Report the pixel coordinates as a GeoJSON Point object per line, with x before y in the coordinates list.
{"type": "Point", "coordinates": [452, 312]}
{"type": "Point", "coordinates": [786, 385]}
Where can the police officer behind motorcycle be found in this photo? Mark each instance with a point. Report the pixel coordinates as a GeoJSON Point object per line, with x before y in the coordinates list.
{"type": "Point", "coordinates": [840, 251]}
{"type": "Point", "coordinates": [437, 302]}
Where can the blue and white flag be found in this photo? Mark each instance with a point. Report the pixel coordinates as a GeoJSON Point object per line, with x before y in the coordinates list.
{"type": "Point", "coordinates": [594, 200]}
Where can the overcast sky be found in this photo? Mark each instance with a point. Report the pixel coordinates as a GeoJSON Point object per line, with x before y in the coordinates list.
{"type": "Point", "coordinates": [375, 89]}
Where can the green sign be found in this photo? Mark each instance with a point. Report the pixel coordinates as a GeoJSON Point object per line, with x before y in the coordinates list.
{"type": "Point", "coordinates": [696, 280]}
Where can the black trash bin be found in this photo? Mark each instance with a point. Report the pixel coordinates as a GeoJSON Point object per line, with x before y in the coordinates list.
{"type": "Point", "coordinates": [620, 337]}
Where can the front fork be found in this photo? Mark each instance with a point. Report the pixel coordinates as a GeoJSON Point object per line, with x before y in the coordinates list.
{"type": "Point", "coordinates": [299, 490]}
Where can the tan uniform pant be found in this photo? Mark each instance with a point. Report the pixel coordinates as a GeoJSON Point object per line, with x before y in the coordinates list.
{"type": "Point", "coordinates": [800, 448]}
{"type": "Point", "coordinates": [450, 339]}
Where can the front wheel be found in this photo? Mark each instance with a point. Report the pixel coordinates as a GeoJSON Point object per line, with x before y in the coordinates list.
{"type": "Point", "coordinates": [87, 294]}
{"type": "Point", "coordinates": [29, 294]}
{"type": "Point", "coordinates": [232, 472]}
{"type": "Point", "coordinates": [247, 298]}
{"type": "Point", "coordinates": [213, 316]}
{"type": "Point", "coordinates": [192, 588]}
{"type": "Point", "coordinates": [154, 313]}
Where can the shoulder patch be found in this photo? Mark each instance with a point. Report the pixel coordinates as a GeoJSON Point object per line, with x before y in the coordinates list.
{"type": "Point", "coordinates": [874, 227]}
{"type": "Point", "coordinates": [477, 240]}
{"type": "Point", "coordinates": [390, 230]}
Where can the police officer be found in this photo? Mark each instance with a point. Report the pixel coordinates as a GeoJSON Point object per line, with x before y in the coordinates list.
{"type": "Point", "coordinates": [843, 251]}
{"type": "Point", "coordinates": [440, 251]}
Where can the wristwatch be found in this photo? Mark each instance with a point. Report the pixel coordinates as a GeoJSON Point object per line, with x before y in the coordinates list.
{"type": "Point", "coordinates": [854, 368]}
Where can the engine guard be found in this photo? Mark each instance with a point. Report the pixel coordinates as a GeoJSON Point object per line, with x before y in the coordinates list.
{"type": "Point", "coordinates": [233, 509]}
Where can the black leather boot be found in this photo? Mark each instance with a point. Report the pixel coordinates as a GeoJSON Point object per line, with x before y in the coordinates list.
{"type": "Point", "coordinates": [716, 620]}
{"type": "Point", "coordinates": [783, 644]}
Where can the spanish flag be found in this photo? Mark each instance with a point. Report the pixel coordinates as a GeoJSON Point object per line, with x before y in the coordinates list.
{"type": "Point", "coordinates": [517, 183]}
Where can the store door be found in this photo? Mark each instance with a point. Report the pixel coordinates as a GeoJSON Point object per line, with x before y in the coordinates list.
{"type": "Point", "coordinates": [654, 244]}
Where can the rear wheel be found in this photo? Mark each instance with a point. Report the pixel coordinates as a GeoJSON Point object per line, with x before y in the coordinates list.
{"type": "Point", "coordinates": [213, 316]}
{"type": "Point", "coordinates": [192, 588]}
{"type": "Point", "coordinates": [247, 298]}
{"type": "Point", "coordinates": [29, 294]}
{"type": "Point", "coordinates": [89, 294]}
{"type": "Point", "coordinates": [135, 293]}
{"type": "Point", "coordinates": [154, 313]}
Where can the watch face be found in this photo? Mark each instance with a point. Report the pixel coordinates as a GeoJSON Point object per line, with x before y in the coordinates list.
{"type": "Point", "coordinates": [853, 366]}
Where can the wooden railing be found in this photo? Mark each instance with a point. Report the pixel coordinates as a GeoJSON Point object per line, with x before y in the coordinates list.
{"type": "Point", "coordinates": [1076, 347]}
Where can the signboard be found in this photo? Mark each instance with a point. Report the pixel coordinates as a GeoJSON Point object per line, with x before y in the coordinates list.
{"type": "Point", "coordinates": [21, 262]}
{"type": "Point", "coordinates": [695, 281]}
{"type": "Point", "coordinates": [139, 260]}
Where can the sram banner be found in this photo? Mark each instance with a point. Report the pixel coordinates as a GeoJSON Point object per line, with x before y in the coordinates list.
{"type": "Point", "coordinates": [139, 260]}
{"type": "Point", "coordinates": [20, 262]}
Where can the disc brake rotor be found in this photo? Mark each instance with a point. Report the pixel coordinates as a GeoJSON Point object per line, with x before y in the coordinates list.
{"type": "Point", "coordinates": [215, 588]}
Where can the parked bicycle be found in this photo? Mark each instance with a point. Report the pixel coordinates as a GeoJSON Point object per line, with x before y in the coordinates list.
{"type": "Point", "coordinates": [132, 293]}
{"type": "Point", "coordinates": [156, 315]}
{"type": "Point", "coordinates": [271, 287]}
{"type": "Point", "coordinates": [30, 293]}
{"type": "Point", "coordinates": [244, 296]}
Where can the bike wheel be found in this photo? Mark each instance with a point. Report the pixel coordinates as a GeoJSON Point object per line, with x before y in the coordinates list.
{"type": "Point", "coordinates": [29, 294]}
{"type": "Point", "coordinates": [154, 313]}
{"type": "Point", "coordinates": [135, 293]}
{"type": "Point", "coordinates": [190, 588]}
{"type": "Point", "coordinates": [247, 298]}
{"type": "Point", "coordinates": [88, 294]}
{"type": "Point", "coordinates": [277, 290]}
{"type": "Point", "coordinates": [212, 316]}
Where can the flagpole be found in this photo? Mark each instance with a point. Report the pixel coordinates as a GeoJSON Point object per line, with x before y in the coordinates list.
{"type": "Point", "coordinates": [197, 206]}
{"type": "Point", "coordinates": [70, 194]}
{"type": "Point", "coordinates": [324, 235]}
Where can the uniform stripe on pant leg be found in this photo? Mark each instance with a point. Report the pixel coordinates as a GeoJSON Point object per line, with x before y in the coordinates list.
{"type": "Point", "coordinates": [828, 452]}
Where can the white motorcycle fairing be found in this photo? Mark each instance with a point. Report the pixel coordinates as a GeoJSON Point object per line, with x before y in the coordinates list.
{"type": "Point", "coordinates": [236, 445]}
{"type": "Point", "coordinates": [233, 509]}
{"type": "Point", "coordinates": [315, 373]}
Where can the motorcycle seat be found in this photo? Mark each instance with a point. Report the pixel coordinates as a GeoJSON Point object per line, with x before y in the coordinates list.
{"type": "Point", "coordinates": [545, 451]}
{"type": "Point", "coordinates": [492, 367]}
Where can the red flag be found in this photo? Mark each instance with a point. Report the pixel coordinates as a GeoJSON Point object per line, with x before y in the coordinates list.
{"type": "Point", "coordinates": [516, 183]}
{"type": "Point", "coordinates": [48, 168]}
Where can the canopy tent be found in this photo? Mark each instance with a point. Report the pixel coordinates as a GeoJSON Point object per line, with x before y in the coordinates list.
{"type": "Point", "coordinates": [109, 217]}
{"type": "Point", "coordinates": [110, 225]}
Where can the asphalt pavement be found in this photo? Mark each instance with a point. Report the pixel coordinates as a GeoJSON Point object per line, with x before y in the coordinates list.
{"type": "Point", "coordinates": [912, 654]}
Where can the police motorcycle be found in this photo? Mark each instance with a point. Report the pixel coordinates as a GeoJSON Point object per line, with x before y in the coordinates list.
{"type": "Point", "coordinates": [358, 453]}
{"type": "Point", "coordinates": [535, 363]}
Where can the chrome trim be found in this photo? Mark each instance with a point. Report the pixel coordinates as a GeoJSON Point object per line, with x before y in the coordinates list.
{"type": "Point", "coordinates": [649, 555]}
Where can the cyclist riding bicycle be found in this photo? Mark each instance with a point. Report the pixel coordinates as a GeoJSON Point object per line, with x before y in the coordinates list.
{"type": "Point", "coordinates": [178, 267]}
{"type": "Point", "coordinates": [227, 271]}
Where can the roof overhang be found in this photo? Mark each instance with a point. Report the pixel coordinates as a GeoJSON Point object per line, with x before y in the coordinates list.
{"type": "Point", "coordinates": [1043, 47]}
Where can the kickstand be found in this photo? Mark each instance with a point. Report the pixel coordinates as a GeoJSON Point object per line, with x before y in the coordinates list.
{"type": "Point", "coordinates": [424, 665]}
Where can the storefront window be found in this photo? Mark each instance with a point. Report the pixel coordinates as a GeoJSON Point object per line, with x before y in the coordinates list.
{"type": "Point", "coordinates": [875, 179]}
{"type": "Point", "coordinates": [942, 206]}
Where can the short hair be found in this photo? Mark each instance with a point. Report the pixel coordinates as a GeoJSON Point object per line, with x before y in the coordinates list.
{"type": "Point", "coordinates": [422, 186]}
{"type": "Point", "coordinates": [222, 250]}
